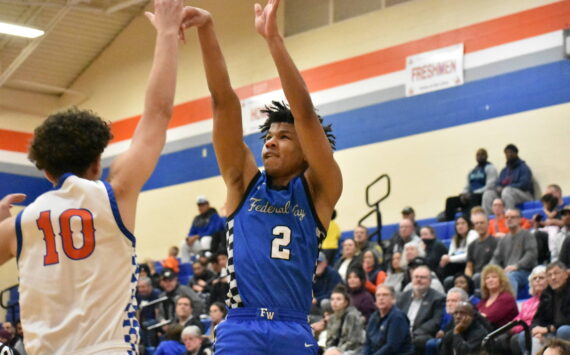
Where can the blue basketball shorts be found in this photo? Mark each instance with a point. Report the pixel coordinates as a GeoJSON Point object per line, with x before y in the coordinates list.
{"type": "Point", "coordinates": [260, 331]}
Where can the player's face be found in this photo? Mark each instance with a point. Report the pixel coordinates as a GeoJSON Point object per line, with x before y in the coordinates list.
{"type": "Point", "coordinates": [282, 154]}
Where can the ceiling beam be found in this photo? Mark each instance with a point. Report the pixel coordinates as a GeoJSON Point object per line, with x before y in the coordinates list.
{"type": "Point", "coordinates": [30, 48]}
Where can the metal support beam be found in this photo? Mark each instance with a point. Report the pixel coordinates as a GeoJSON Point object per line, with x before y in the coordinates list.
{"type": "Point", "coordinates": [29, 49]}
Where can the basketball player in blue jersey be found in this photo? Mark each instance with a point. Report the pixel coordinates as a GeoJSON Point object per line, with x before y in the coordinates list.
{"type": "Point", "coordinates": [74, 244]}
{"type": "Point", "coordinates": [279, 216]}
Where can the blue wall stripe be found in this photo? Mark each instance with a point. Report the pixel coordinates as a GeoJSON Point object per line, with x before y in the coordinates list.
{"type": "Point", "coordinates": [514, 92]}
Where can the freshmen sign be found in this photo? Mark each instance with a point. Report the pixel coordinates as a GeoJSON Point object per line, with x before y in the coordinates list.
{"type": "Point", "coordinates": [434, 70]}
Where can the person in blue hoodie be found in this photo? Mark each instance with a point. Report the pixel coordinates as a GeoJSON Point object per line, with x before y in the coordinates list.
{"type": "Point", "coordinates": [388, 330]}
{"type": "Point", "coordinates": [514, 184]}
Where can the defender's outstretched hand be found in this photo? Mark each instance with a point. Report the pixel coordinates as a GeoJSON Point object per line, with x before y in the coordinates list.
{"type": "Point", "coordinates": [195, 17]}
{"type": "Point", "coordinates": [7, 202]}
{"type": "Point", "coordinates": [167, 15]}
{"type": "Point", "coordinates": [266, 19]}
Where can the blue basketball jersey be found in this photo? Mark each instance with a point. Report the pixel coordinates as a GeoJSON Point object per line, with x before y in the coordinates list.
{"type": "Point", "coordinates": [273, 241]}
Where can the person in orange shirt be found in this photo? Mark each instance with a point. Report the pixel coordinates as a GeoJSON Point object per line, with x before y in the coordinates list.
{"type": "Point", "coordinates": [498, 226]}
{"type": "Point", "coordinates": [171, 261]}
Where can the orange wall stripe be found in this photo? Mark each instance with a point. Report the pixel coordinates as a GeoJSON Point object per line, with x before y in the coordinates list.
{"type": "Point", "coordinates": [476, 37]}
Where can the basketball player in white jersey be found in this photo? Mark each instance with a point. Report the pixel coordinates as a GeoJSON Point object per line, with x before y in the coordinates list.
{"type": "Point", "coordinates": [74, 244]}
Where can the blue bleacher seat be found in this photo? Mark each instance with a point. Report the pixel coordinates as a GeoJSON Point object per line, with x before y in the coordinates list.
{"type": "Point", "coordinates": [426, 221]}
{"type": "Point", "coordinates": [531, 205]}
{"type": "Point", "coordinates": [441, 230]}
{"type": "Point", "coordinates": [529, 213]}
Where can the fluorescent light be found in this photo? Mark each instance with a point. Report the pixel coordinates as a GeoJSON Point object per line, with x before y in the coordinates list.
{"type": "Point", "coordinates": [20, 31]}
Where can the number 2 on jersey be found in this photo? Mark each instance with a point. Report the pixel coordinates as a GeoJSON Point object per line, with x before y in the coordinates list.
{"type": "Point", "coordinates": [282, 239]}
{"type": "Point", "coordinates": [87, 230]}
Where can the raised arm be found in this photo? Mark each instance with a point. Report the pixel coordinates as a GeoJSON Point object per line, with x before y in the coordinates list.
{"type": "Point", "coordinates": [7, 227]}
{"type": "Point", "coordinates": [131, 170]}
{"type": "Point", "coordinates": [323, 174]}
{"type": "Point", "coordinates": [236, 162]}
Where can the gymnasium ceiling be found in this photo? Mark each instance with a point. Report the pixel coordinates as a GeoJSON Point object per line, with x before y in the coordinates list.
{"type": "Point", "coordinates": [76, 32]}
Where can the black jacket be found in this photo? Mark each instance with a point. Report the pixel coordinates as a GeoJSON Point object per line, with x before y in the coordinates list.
{"type": "Point", "coordinates": [430, 313]}
{"type": "Point", "coordinates": [544, 316]}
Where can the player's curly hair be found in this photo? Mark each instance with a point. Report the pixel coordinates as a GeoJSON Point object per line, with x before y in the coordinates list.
{"type": "Point", "coordinates": [69, 141]}
{"type": "Point", "coordinates": [279, 111]}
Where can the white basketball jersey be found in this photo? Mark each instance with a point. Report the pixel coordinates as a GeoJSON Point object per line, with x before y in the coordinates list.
{"type": "Point", "coordinates": [78, 272]}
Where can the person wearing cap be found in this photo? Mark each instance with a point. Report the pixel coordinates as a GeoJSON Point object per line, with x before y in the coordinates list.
{"type": "Point", "coordinates": [172, 289]}
{"type": "Point", "coordinates": [514, 184]}
{"type": "Point", "coordinates": [409, 213]}
{"type": "Point", "coordinates": [326, 279]}
{"type": "Point", "coordinates": [423, 306]}
{"type": "Point", "coordinates": [204, 226]}
{"type": "Point", "coordinates": [481, 178]}
{"type": "Point", "coordinates": [195, 343]}
{"type": "Point", "coordinates": [564, 237]}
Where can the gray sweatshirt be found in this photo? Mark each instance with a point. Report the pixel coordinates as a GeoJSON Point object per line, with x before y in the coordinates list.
{"type": "Point", "coordinates": [517, 249]}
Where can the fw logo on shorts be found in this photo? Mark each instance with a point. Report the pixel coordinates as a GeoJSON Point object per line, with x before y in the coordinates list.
{"type": "Point", "coordinates": [264, 313]}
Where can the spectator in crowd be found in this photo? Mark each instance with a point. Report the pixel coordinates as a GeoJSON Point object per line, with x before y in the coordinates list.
{"type": "Point", "coordinates": [553, 315]}
{"type": "Point", "coordinates": [14, 341]}
{"type": "Point", "coordinates": [374, 273]}
{"type": "Point", "coordinates": [363, 244]}
{"type": "Point", "coordinates": [516, 252]}
{"type": "Point", "coordinates": [498, 225]}
{"type": "Point", "coordinates": [465, 283]}
{"type": "Point", "coordinates": [326, 279]}
{"type": "Point", "coordinates": [171, 260]}
{"type": "Point", "coordinates": [202, 278]}
{"type": "Point", "coordinates": [409, 213]}
{"type": "Point", "coordinates": [555, 347]}
{"type": "Point", "coordinates": [171, 344]}
{"type": "Point", "coordinates": [11, 339]}
{"type": "Point", "coordinates": [497, 303]}
{"type": "Point", "coordinates": [5, 347]}
{"type": "Point", "coordinates": [219, 285]}
{"type": "Point", "coordinates": [388, 330]}
{"type": "Point", "coordinates": [147, 315]}
{"type": "Point", "coordinates": [20, 336]}
{"type": "Point", "coordinates": [360, 298]}
{"type": "Point", "coordinates": [481, 250]}
{"type": "Point", "coordinates": [424, 307]}
{"type": "Point", "coordinates": [564, 237]}
{"type": "Point", "coordinates": [148, 269]}
{"type": "Point", "coordinates": [514, 185]}
{"type": "Point", "coordinates": [345, 325]}
{"type": "Point", "coordinates": [467, 334]}
{"type": "Point", "coordinates": [406, 233]}
{"type": "Point", "coordinates": [172, 289]}
{"type": "Point", "coordinates": [195, 343]}
{"type": "Point", "coordinates": [395, 274]}
{"type": "Point", "coordinates": [421, 261]}
{"type": "Point", "coordinates": [555, 190]}
{"type": "Point", "coordinates": [330, 244]}
{"type": "Point", "coordinates": [204, 226]}
{"type": "Point", "coordinates": [218, 312]}
{"type": "Point", "coordinates": [557, 234]}
{"type": "Point", "coordinates": [538, 283]}
{"type": "Point", "coordinates": [434, 248]}
{"type": "Point", "coordinates": [184, 315]}
{"type": "Point", "coordinates": [454, 297]}
{"type": "Point", "coordinates": [349, 258]}
{"type": "Point", "coordinates": [483, 177]}
{"type": "Point", "coordinates": [455, 261]}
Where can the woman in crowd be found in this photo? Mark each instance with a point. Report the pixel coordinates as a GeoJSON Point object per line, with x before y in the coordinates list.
{"type": "Point", "coordinates": [218, 312]}
{"type": "Point", "coordinates": [396, 273]}
{"type": "Point", "coordinates": [465, 283]}
{"type": "Point", "coordinates": [345, 326]}
{"type": "Point", "coordinates": [538, 282]}
{"type": "Point", "coordinates": [455, 260]}
{"type": "Point", "coordinates": [497, 304]}
{"type": "Point", "coordinates": [349, 258]}
{"type": "Point", "coordinates": [360, 298]}
{"type": "Point", "coordinates": [434, 248]}
{"type": "Point", "coordinates": [374, 273]}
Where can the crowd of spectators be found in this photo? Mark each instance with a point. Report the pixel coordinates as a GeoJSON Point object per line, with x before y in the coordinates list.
{"type": "Point", "coordinates": [411, 293]}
